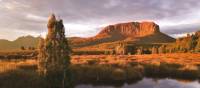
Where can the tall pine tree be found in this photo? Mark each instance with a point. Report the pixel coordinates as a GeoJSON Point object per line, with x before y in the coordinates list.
{"type": "Point", "coordinates": [53, 58]}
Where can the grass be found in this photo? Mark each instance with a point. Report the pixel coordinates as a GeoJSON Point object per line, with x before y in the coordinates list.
{"type": "Point", "coordinates": [105, 74]}
{"type": "Point", "coordinates": [178, 58]}
{"type": "Point", "coordinates": [20, 75]}
{"type": "Point", "coordinates": [105, 69]}
{"type": "Point", "coordinates": [18, 54]}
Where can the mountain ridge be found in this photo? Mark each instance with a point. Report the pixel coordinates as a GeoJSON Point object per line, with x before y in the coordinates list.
{"type": "Point", "coordinates": [134, 32]}
{"type": "Point", "coordinates": [130, 31]}
{"type": "Point", "coordinates": [26, 41]}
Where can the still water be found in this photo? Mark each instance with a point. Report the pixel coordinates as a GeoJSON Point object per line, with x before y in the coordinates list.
{"type": "Point", "coordinates": [151, 83]}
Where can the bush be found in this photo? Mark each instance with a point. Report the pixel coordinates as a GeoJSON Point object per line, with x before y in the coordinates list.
{"type": "Point", "coordinates": [93, 62]}
{"type": "Point", "coordinates": [118, 74]}
{"type": "Point", "coordinates": [133, 73]}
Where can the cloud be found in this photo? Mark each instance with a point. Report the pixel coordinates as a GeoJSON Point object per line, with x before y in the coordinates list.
{"type": "Point", "coordinates": [88, 15]}
{"type": "Point", "coordinates": [81, 30]}
{"type": "Point", "coordinates": [112, 3]}
{"type": "Point", "coordinates": [181, 30]}
{"type": "Point", "coordinates": [35, 17]}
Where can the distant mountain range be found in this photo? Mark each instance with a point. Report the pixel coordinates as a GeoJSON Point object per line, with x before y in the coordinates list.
{"type": "Point", "coordinates": [26, 41]}
{"type": "Point", "coordinates": [132, 32]}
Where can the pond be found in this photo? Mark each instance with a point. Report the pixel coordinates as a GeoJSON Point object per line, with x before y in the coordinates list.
{"type": "Point", "coordinates": [150, 83]}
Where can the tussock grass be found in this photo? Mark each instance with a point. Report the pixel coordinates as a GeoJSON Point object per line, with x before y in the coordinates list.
{"type": "Point", "coordinates": [105, 69]}
{"type": "Point", "coordinates": [105, 73]}
{"type": "Point", "coordinates": [21, 78]}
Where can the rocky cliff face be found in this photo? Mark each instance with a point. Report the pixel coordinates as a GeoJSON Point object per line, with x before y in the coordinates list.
{"type": "Point", "coordinates": [134, 32]}
{"type": "Point", "coordinates": [131, 29]}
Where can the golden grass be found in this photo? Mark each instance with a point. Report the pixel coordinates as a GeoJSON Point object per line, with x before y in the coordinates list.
{"type": "Point", "coordinates": [6, 66]}
{"type": "Point", "coordinates": [177, 58]}
{"type": "Point", "coordinates": [188, 60]}
{"type": "Point", "coordinates": [106, 68]}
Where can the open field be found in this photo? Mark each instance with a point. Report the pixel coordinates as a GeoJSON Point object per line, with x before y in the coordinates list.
{"type": "Point", "coordinates": [187, 60]}
{"type": "Point", "coordinates": [105, 69]}
{"type": "Point", "coordinates": [18, 54]}
{"type": "Point", "coordinates": [178, 58]}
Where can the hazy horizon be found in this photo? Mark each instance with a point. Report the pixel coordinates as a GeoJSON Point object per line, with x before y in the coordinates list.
{"type": "Point", "coordinates": [86, 18]}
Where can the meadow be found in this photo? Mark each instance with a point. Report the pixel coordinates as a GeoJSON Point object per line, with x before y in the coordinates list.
{"type": "Point", "coordinates": [105, 69]}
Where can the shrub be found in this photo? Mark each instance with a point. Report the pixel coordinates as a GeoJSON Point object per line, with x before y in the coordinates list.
{"type": "Point", "coordinates": [23, 48]}
{"type": "Point", "coordinates": [118, 74]}
{"type": "Point", "coordinates": [133, 73]}
{"type": "Point", "coordinates": [93, 62]}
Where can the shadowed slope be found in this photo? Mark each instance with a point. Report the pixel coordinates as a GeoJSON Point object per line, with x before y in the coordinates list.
{"type": "Point", "coordinates": [135, 32]}
{"type": "Point", "coordinates": [26, 41]}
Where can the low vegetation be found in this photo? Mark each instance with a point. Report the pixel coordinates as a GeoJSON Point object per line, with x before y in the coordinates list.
{"type": "Point", "coordinates": [107, 69]}
{"type": "Point", "coordinates": [18, 54]}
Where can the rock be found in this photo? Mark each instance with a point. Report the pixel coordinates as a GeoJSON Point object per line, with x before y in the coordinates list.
{"type": "Point", "coordinates": [132, 32]}
{"type": "Point", "coordinates": [131, 29]}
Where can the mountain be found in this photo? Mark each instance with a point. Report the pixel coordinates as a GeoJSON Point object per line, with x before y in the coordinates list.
{"type": "Point", "coordinates": [133, 32]}
{"type": "Point", "coordinates": [26, 41]}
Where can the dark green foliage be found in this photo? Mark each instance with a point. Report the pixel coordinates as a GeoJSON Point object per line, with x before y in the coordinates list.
{"type": "Point", "coordinates": [54, 56]}
{"type": "Point", "coordinates": [31, 48]}
{"type": "Point", "coordinates": [93, 61]}
{"type": "Point", "coordinates": [26, 76]}
{"type": "Point", "coordinates": [193, 42]}
{"type": "Point", "coordinates": [185, 44]}
{"type": "Point", "coordinates": [90, 52]}
{"type": "Point", "coordinates": [23, 48]}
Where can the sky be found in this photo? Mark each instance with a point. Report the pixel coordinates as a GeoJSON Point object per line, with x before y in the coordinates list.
{"type": "Point", "coordinates": [85, 18]}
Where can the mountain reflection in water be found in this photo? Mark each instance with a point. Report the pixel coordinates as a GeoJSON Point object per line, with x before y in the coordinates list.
{"type": "Point", "coordinates": [150, 83]}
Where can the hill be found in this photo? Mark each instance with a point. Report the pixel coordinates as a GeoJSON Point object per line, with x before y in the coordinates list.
{"type": "Point", "coordinates": [132, 32]}
{"type": "Point", "coordinates": [26, 41]}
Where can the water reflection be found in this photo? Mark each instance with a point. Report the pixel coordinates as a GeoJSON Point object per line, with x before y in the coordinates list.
{"type": "Point", "coordinates": [152, 83]}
